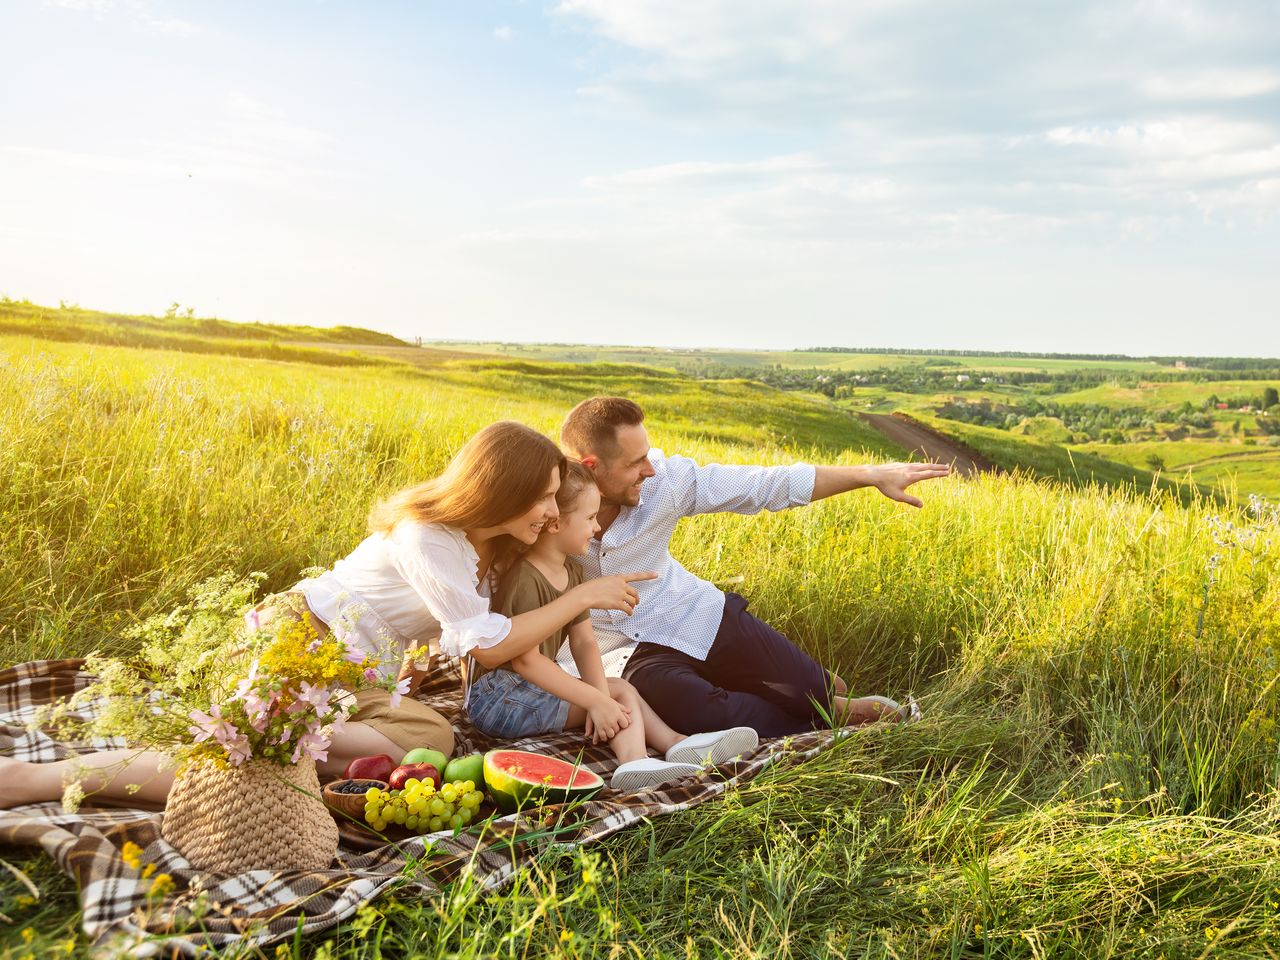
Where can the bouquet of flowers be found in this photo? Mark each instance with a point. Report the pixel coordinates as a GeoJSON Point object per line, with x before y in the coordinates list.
{"type": "Point", "coordinates": [203, 685]}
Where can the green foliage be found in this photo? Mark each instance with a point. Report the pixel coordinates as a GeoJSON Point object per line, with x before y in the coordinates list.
{"type": "Point", "coordinates": [1097, 769]}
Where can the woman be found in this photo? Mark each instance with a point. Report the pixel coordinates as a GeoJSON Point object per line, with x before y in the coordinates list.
{"type": "Point", "coordinates": [422, 573]}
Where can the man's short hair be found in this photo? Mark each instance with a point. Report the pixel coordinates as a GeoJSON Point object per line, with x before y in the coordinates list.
{"type": "Point", "coordinates": [592, 426]}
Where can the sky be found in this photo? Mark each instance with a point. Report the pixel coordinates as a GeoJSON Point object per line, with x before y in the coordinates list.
{"type": "Point", "coordinates": [1085, 176]}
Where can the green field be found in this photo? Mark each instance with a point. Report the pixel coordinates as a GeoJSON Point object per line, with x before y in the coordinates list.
{"type": "Point", "coordinates": [1162, 394]}
{"type": "Point", "coordinates": [1096, 775]}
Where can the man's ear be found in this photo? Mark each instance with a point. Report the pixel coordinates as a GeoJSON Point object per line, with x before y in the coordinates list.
{"type": "Point", "coordinates": [590, 463]}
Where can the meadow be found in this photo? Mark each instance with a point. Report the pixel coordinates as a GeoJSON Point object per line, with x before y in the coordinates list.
{"type": "Point", "coordinates": [1098, 768]}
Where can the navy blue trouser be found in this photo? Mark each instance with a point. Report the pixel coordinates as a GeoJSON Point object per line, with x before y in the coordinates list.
{"type": "Point", "coordinates": [752, 677]}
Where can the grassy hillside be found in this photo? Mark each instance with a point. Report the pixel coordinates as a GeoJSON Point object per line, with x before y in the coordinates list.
{"type": "Point", "coordinates": [1163, 394]}
{"type": "Point", "coordinates": [1096, 774]}
{"type": "Point", "coordinates": [326, 346]}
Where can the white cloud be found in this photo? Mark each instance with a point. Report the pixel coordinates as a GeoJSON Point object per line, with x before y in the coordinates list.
{"type": "Point", "coordinates": [503, 32]}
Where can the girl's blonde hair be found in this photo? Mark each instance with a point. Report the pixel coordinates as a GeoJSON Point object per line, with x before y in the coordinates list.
{"type": "Point", "coordinates": [498, 474]}
{"type": "Point", "coordinates": [576, 479]}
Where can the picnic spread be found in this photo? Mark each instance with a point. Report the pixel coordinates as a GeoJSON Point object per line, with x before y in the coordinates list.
{"type": "Point", "coordinates": [140, 894]}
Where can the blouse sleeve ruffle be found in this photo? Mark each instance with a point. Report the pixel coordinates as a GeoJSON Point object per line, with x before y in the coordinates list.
{"type": "Point", "coordinates": [483, 630]}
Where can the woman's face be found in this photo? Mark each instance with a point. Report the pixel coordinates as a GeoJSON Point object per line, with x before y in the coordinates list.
{"type": "Point", "coordinates": [529, 524]}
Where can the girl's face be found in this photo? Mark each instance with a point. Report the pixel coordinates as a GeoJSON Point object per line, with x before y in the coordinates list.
{"type": "Point", "coordinates": [577, 526]}
{"type": "Point", "coordinates": [529, 524]}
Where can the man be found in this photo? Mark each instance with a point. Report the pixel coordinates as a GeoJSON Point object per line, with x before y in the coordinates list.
{"type": "Point", "coordinates": [694, 653]}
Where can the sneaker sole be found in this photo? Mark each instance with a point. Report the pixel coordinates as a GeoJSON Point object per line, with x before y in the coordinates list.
{"type": "Point", "coordinates": [633, 781]}
{"type": "Point", "coordinates": [734, 743]}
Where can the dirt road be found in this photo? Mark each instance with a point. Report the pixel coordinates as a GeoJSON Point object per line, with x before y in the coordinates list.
{"type": "Point", "coordinates": [914, 436]}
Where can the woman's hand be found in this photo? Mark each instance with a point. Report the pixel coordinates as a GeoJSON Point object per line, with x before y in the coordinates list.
{"type": "Point", "coordinates": [613, 592]}
{"type": "Point", "coordinates": [414, 669]}
{"type": "Point", "coordinates": [606, 719]}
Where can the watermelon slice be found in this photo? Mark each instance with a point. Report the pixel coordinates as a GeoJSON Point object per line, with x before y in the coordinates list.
{"type": "Point", "coordinates": [517, 778]}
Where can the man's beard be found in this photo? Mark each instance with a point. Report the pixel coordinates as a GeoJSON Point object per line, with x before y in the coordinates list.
{"type": "Point", "coordinates": [630, 497]}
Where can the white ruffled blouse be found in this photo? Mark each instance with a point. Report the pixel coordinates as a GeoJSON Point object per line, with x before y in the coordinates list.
{"type": "Point", "coordinates": [400, 590]}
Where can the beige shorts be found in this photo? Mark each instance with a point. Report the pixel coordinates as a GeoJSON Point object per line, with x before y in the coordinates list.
{"type": "Point", "coordinates": [412, 724]}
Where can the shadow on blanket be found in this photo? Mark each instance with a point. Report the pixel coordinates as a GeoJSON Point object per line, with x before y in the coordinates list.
{"type": "Point", "coordinates": [212, 910]}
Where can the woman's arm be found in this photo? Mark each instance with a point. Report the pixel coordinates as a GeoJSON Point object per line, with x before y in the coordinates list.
{"type": "Point", "coordinates": [529, 629]}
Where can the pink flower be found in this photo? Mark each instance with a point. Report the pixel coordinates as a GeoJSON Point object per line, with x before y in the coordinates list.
{"type": "Point", "coordinates": [211, 724]}
{"type": "Point", "coordinates": [313, 746]}
{"type": "Point", "coordinates": [353, 654]}
{"type": "Point", "coordinates": [371, 674]}
{"type": "Point", "coordinates": [255, 705]}
{"type": "Point", "coordinates": [401, 688]}
{"type": "Point", "coordinates": [238, 749]}
{"type": "Point", "coordinates": [309, 696]}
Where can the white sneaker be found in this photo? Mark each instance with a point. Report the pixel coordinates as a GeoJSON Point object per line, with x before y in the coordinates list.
{"type": "Point", "coordinates": [714, 748]}
{"type": "Point", "coordinates": [636, 775]}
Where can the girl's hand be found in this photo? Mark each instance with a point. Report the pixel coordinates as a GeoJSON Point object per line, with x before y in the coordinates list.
{"type": "Point", "coordinates": [606, 719]}
{"type": "Point", "coordinates": [612, 593]}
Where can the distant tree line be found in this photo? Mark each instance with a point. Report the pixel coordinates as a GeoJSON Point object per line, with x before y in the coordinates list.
{"type": "Point", "coordinates": [1200, 364]}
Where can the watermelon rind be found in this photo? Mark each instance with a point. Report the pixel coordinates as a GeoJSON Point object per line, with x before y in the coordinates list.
{"type": "Point", "coordinates": [517, 779]}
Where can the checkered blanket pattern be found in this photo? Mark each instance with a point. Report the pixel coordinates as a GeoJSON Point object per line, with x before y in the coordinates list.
{"type": "Point", "coordinates": [214, 910]}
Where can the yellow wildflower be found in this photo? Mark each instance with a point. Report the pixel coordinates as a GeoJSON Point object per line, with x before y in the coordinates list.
{"type": "Point", "coordinates": [131, 854]}
{"type": "Point", "coordinates": [566, 936]}
{"type": "Point", "coordinates": [161, 885]}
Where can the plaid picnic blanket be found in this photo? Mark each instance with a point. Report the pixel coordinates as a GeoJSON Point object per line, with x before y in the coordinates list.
{"type": "Point", "coordinates": [121, 911]}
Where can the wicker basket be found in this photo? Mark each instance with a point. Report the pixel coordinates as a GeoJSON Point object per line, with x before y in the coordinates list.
{"type": "Point", "coordinates": [260, 816]}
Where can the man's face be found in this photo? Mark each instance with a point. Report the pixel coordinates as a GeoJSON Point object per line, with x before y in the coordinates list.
{"type": "Point", "coordinates": [620, 476]}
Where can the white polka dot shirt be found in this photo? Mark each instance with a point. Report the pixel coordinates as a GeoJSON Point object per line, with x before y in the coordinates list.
{"type": "Point", "coordinates": [677, 610]}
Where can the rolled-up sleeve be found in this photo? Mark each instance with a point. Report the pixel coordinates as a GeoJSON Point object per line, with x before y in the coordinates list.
{"type": "Point", "coordinates": [716, 488]}
{"type": "Point", "coordinates": [442, 572]}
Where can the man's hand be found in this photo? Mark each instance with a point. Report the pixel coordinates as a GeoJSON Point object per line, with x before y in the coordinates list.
{"type": "Point", "coordinates": [892, 479]}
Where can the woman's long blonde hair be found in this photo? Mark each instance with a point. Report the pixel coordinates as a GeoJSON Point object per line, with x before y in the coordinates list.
{"type": "Point", "coordinates": [498, 474]}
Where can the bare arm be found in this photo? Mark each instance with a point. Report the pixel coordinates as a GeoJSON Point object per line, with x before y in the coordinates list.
{"type": "Point", "coordinates": [532, 627]}
{"type": "Point", "coordinates": [586, 654]}
{"type": "Point", "coordinates": [891, 479]}
{"type": "Point", "coordinates": [538, 669]}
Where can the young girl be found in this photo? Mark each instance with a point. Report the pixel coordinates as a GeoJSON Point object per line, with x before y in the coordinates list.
{"type": "Point", "coordinates": [530, 694]}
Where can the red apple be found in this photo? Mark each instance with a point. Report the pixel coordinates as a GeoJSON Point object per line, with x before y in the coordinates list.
{"type": "Point", "coordinates": [370, 768]}
{"type": "Point", "coordinates": [419, 771]}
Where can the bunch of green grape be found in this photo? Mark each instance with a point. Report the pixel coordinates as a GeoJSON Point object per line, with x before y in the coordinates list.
{"type": "Point", "coordinates": [420, 808]}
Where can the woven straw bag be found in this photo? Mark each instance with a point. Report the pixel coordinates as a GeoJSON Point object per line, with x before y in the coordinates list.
{"type": "Point", "coordinates": [259, 816]}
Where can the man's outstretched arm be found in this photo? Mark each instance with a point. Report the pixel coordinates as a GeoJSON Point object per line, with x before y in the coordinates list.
{"type": "Point", "coordinates": [891, 479]}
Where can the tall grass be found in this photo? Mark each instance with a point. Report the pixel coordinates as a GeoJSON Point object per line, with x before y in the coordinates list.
{"type": "Point", "coordinates": [1096, 774]}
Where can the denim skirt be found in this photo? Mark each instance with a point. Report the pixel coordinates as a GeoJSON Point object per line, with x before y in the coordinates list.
{"type": "Point", "coordinates": [503, 704]}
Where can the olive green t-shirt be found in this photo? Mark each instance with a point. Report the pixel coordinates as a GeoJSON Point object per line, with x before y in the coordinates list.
{"type": "Point", "coordinates": [524, 588]}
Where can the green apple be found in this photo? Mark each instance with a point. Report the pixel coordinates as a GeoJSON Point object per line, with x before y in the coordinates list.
{"type": "Point", "coordinates": [466, 768]}
{"type": "Point", "coordinates": [425, 755]}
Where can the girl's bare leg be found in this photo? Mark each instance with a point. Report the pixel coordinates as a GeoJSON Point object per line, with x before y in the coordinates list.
{"type": "Point", "coordinates": [629, 744]}
{"type": "Point", "coordinates": [656, 732]}
{"type": "Point", "coordinates": [107, 774]}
